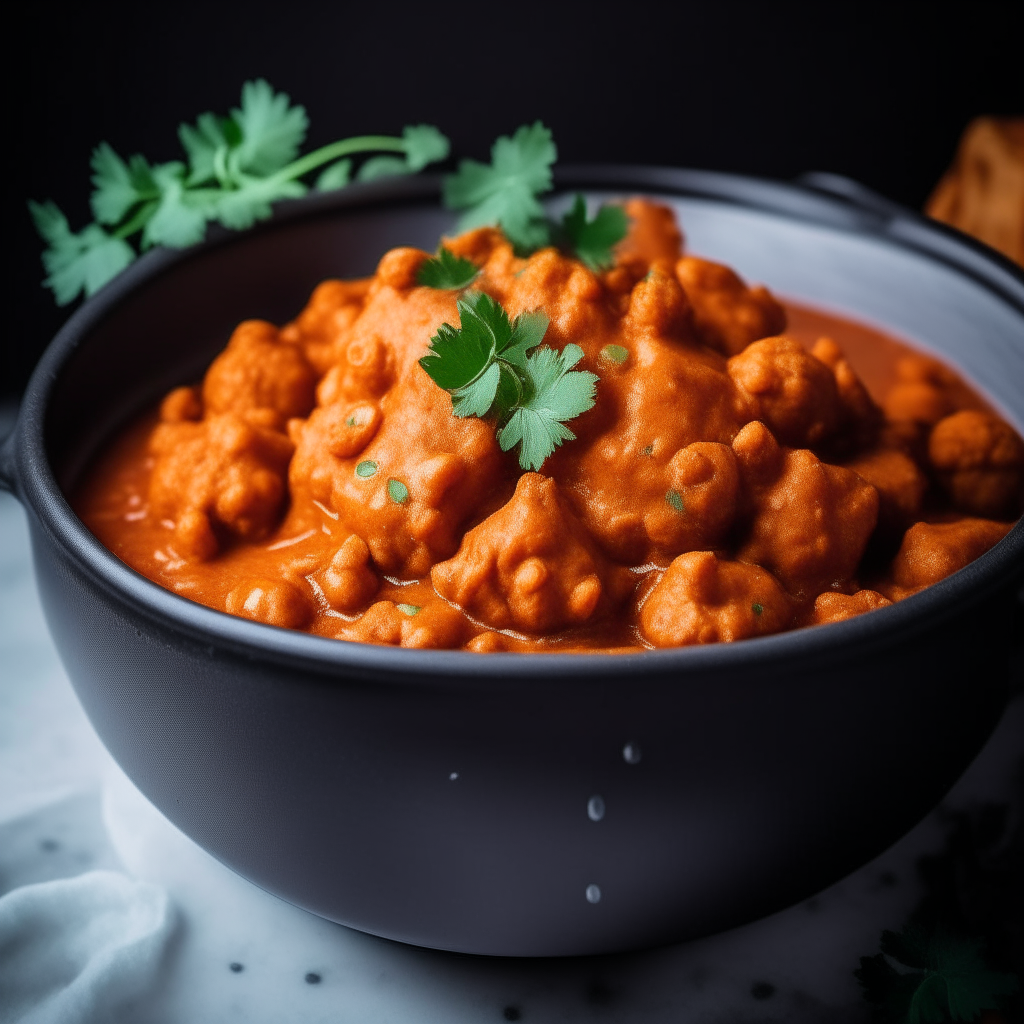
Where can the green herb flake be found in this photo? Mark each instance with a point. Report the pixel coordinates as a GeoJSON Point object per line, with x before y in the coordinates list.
{"type": "Point", "coordinates": [447, 272]}
{"type": "Point", "coordinates": [593, 241]}
{"type": "Point", "coordinates": [409, 609]}
{"type": "Point", "coordinates": [366, 468]}
{"type": "Point", "coordinates": [648, 449]}
{"type": "Point", "coordinates": [398, 492]}
{"type": "Point", "coordinates": [350, 421]}
{"type": "Point", "coordinates": [504, 193]}
{"type": "Point", "coordinates": [237, 167]}
{"type": "Point", "coordinates": [675, 499]}
{"type": "Point", "coordinates": [757, 609]}
{"type": "Point", "coordinates": [615, 354]}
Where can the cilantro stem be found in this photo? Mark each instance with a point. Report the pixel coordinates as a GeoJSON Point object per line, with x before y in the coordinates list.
{"type": "Point", "coordinates": [142, 215]}
{"type": "Point", "coordinates": [336, 150]}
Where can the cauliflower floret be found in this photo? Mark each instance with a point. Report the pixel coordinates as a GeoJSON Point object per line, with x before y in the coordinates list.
{"type": "Point", "coordinates": [900, 484]}
{"type": "Point", "coordinates": [789, 390]}
{"type": "Point", "coordinates": [810, 520]}
{"type": "Point", "coordinates": [220, 475]}
{"type": "Point", "coordinates": [728, 314]}
{"type": "Point", "coordinates": [701, 600]}
{"type": "Point", "coordinates": [530, 566]}
{"type": "Point", "coordinates": [979, 460]}
{"type": "Point", "coordinates": [259, 378]}
{"type": "Point", "coordinates": [859, 417]}
{"type": "Point", "coordinates": [349, 581]}
{"type": "Point", "coordinates": [932, 551]}
{"type": "Point", "coordinates": [431, 625]}
{"type": "Point", "coordinates": [653, 235]}
{"type": "Point", "coordinates": [277, 602]}
{"type": "Point", "coordinates": [834, 607]}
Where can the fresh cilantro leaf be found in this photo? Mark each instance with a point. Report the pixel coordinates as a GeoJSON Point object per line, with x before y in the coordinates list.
{"type": "Point", "coordinates": [203, 143]}
{"type": "Point", "coordinates": [337, 175]}
{"type": "Point", "coordinates": [241, 208]}
{"type": "Point", "coordinates": [271, 129]}
{"type": "Point", "coordinates": [556, 393]}
{"type": "Point", "coordinates": [424, 144]}
{"type": "Point", "coordinates": [593, 240]}
{"type": "Point", "coordinates": [505, 192]}
{"type": "Point", "coordinates": [447, 272]}
{"type": "Point", "coordinates": [180, 216]}
{"type": "Point", "coordinates": [931, 977]}
{"type": "Point", "coordinates": [82, 262]}
{"type": "Point", "coordinates": [383, 167]}
{"type": "Point", "coordinates": [118, 186]}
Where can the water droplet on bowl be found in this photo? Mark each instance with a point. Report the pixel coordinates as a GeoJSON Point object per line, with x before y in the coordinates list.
{"type": "Point", "coordinates": [595, 808]}
{"type": "Point", "coordinates": [593, 893]}
{"type": "Point", "coordinates": [453, 776]}
{"type": "Point", "coordinates": [631, 753]}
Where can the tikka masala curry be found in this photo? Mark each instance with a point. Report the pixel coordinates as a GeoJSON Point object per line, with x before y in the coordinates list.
{"type": "Point", "coordinates": [736, 476]}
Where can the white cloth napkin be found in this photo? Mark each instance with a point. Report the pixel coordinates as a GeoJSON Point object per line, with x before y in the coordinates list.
{"type": "Point", "coordinates": [74, 950]}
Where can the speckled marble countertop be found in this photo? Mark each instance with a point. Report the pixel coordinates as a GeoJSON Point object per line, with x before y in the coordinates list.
{"type": "Point", "coordinates": [234, 953]}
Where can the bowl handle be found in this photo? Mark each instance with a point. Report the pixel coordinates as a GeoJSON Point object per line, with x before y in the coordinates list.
{"type": "Point", "coordinates": [852, 192]}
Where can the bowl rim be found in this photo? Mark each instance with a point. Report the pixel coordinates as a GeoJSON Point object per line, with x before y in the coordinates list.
{"type": "Point", "coordinates": [822, 199]}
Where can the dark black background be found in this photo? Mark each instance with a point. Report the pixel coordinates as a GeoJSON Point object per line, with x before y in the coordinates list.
{"type": "Point", "coordinates": [881, 96]}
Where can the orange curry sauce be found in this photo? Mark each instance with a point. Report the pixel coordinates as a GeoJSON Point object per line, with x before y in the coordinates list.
{"type": "Point", "coordinates": [747, 468]}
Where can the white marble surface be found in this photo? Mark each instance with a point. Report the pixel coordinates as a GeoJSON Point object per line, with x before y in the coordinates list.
{"type": "Point", "coordinates": [237, 954]}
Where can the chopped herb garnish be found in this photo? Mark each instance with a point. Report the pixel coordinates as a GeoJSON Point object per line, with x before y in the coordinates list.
{"type": "Point", "coordinates": [398, 492]}
{"type": "Point", "coordinates": [447, 271]}
{"type": "Point", "coordinates": [648, 449]}
{"type": "Point", "coordinates": [505, 192]}
{"type": "Point", "coordinates": [757, 609]}
{"type": "Point", "coordinates": [409, 609]}
{"type": "Point", "coordinates": [484, 364]}
{"type": "Point", "coordinates": [366, 468]}
{"type": "Point", "coordinates": [350, 421]}
{"type": "Point", "coordinates": [675, 499]}
{"type": "Point", "coordinates": [593, 241]}
{"type": "Point", "coordinates": [615, 354]}
{"type": "Point", "coordinates": [237, 166]}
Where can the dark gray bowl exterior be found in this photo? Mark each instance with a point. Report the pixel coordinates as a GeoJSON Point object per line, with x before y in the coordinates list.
{"type": "Point", "coordinates": [441, 798]}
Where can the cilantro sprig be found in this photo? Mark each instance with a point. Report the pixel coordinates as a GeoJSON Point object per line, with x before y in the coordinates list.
{"type": "Point", "coordinates": [488, 367]}
{"type": "Point", "coordinates": [931, 977]}
{"type": "Point", "coordinates": [447, 272]}
{"type": "Point", "coordinates": [505, 194]}
{"type": "Point", "coordinates": [237, 167]}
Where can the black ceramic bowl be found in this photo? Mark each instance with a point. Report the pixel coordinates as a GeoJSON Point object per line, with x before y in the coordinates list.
{"type": "Point", "coordinates": [509, 804]}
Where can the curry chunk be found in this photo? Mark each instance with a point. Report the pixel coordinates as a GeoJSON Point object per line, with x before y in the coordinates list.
{"type": "Point", "coordinates": [836, 607]}
{"type": "Point", "coordinates": [810, 521]}
{"type": "Point", "coordinates": [655, 481]}
{"type": "Point", "coordinates": [432, 625]}
{"type": "Point", "coordinates": [932, 551]}
{"type": "Point", "coordinates": [901, 487]}
{"type": "Point", "coordinates": [220, 475]}
{"type": "Point", "coordinates": [349, 580]}
{"type": "Point", "coordinates": [728, 315]}
{"type": "Point", "coordinates": [702, 599]}
{"type": "Point", "coordinates": [277, 602]}
{"type": "Point", "coordinates": [790, 391]}
{"type": "Point", "coordinates": [410, 490]}
{"type": "Point", "coordinates": [980, 462]}
{"type": "Point", "coordinates": [259, 377]}
{"type": "Point", "coordinates": [529, 566]}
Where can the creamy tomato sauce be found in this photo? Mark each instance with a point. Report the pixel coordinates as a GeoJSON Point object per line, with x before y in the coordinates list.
{"type": "Point", "coordinates": [748, 467]}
